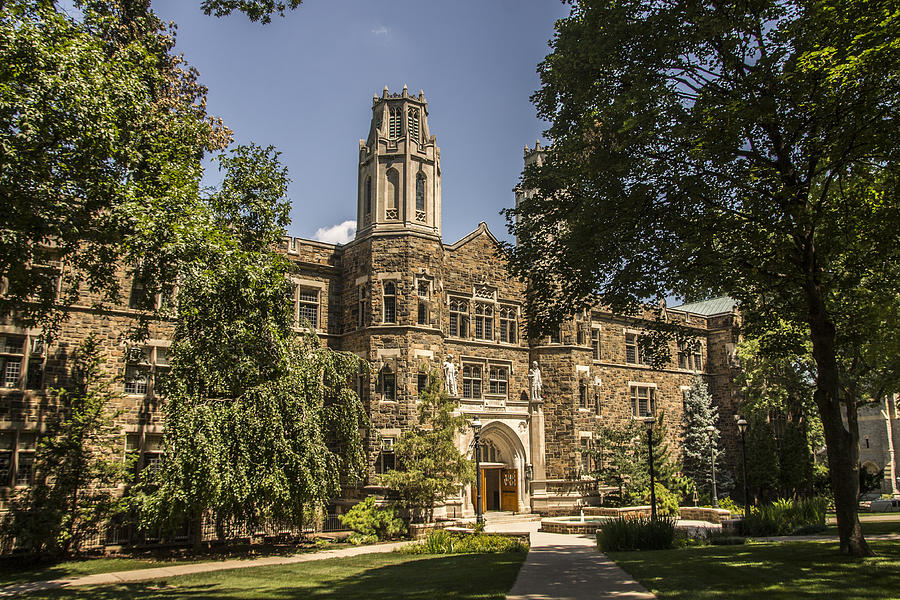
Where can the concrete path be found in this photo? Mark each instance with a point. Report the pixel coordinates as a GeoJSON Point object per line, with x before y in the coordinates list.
{"type": "Point", "coordinates": [567, 567]}
{"type": "Point", "coordinates": [14, 591]}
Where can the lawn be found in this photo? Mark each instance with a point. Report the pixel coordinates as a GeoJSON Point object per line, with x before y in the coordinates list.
{"type": "Point", "coordinates": [15, 571]}
{"type": "Point", "coordinates": [371, 577]}
{"type": "Point", "coordinates": [775, 571]}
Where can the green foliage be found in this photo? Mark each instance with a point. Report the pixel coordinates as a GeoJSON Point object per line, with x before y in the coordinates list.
{"type": "Point", "coordinates": [440, 541]}
{"type": "Point", "coordinates": [666, 502]}
{"type": "Point", "coordinates": [256, 10]}
{"type": "Point", "coordinates": [639, 533]}
{"type": "Point", "coordinates": [261, 422]}
{"type": "Point", "coordinates": [786, 517]}
{"type": "Point", "coordinates": [102, 130]}
{"type": "Point", "coordinates": [746, 149]}
{"type": "Point", "coordinates": [362, 539]}
{"type": "Point", "coordinates": [729, 504]}
{"type": "Point", "coordinates": [369, 519]}
{"type": "Point", "coordinates": [700, 447]}
{"type": "Point", "coordinates": [78, 466]}
{"type": "Point", "coordinates": [430, 465]}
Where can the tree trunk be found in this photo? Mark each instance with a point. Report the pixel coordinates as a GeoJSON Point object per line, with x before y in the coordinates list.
{"type": "Point", "coordinates": [842, 448]}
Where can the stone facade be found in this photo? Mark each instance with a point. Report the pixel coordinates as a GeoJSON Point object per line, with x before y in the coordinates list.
{"type": "Point", "coordinates": [402, 299]}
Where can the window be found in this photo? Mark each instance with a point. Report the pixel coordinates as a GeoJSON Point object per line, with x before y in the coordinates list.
{"type": "Point", "coordinates": [579, 330]}
{"type": "Point", "coordinates": [362, 295]}
{"type": "Point", "coordinates": [388, 386]}
{"type": "Point", "coordinates": [497, 381]}
{"type": "Point", "coordinates": [422, 291]}
{"type": "Point", "coordinates": [489, 452]}
{"type": "Point", "coordinates": [459, 318]}
{"type": "Point", "coordinates": [145, 366]}
{"type": "Point", "coordinates": [390, 302]}
{"type": "Point", "coordinates": [584, 397]}
{"type": "Point", "coordinates": [643, 401]}
{"type": "Point", "coordinates": [508, 325]}
{"type": "Point", "coordinates": [386, 460]}
{"type": "Point", "coordinates": [472, 381]}
{"type": "Point", "coordinates": [394, 122]}
{"type": "Point", "coordinates": [306, 307]}
{"type": "Point", "coordinates": [412, 123]}
{"type": "Point", "coordinates": [595, 343]}
{"type": "Point", "coordinates": [484, 321]}
{"type": "Point", "coordinates": [368, 195]}
{"type": "Point", "coordinates": [634, 354]}
{"type": "Point", "coordinates": [555, 335]}
{"type": "Point", "coordinates": [25, 458]}
{"type": "Point", "coordinates": [392, 210]}
{"type": "Point", "coordinates": [147, 452]}
{"type": "Point", "coordinates": [12, 353]}
{"type": "Point", "coordinates": [7, 447]}
{"type": "Point", "coordinates": [690, 356]}
{"type": "Point", "coordinates": [138, 299]}
{"type": "Point", "coordinates": [421, 383]}
{"type": "Point", "coordinates": [420, 194]}
{"type": "Point", "coordinates": [586, 448]}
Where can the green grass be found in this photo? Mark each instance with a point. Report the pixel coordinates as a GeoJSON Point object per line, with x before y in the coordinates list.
{"type": "Point", "coordinates": [870, 528]}
{"type": "Point", "coordinates": [370, 577]}
{"type": "Point", "coordinates": [775, 571]}
{"type": "Point", "coordinates": [14, 570]}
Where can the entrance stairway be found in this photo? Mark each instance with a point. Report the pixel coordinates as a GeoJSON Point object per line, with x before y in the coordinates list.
{"type": "Point", "coordinates": [496, 517]}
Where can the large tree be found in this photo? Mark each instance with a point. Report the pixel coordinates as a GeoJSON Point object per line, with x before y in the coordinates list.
{"type": "Point", "coordinates": [746, 148]}
{"type": "Point", "coordinates": [102, 130]}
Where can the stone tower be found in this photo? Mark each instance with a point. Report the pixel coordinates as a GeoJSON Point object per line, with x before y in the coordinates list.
{"type": "Point", "coordinates": [399, 169]}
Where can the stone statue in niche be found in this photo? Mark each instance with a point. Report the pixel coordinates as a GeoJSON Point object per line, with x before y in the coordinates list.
{"type": "Point", "coordinates": [450, 376]}
{"type": "Point", "coordinates": [537, 384]}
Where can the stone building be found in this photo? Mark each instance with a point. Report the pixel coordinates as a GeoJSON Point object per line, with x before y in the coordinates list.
{"type": "Point", "coordinates": [401, 298]}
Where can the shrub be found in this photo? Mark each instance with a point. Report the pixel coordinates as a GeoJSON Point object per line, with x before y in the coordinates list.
{"type": "Point", "coordinates": [666, 501]}
{"type": "Point", "coordinates": [638, 533]}
{"type": "Point", "coordinates": [729, 504]}
{"type": "Point", "coordinates": [440, 541]}
{"type": "Point", "coordinates": [361, 539]}
{"type": "Point", "coordinates": [367, 519]}
{"type": "Point", "coordinates": [786, 517]}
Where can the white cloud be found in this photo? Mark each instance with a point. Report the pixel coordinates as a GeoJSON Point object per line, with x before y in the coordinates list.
{"type": "Point", "coordinates": [381, 30]}
{"type": "Point", "coordinates": [336, 234]}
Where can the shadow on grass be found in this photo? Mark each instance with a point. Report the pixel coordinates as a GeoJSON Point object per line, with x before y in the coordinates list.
{"type": "Point", "coordinates": [382, 576]}
{"type": "Point", "coordinates": [774, 570]}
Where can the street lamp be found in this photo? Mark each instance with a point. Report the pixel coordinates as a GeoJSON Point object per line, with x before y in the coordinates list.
{"type": "Point", "coordinates": [648, 421]}
{"type": "Point", "coordinates": [476, 427]}
{"type": "Point", "coordinates": [712, 455]}
{"type": "Point", "coordinates": [742, 427]}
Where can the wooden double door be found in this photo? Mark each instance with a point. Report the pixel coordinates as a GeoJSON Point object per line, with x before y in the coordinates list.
{"type": "Point", "coordinates": [499, 489]}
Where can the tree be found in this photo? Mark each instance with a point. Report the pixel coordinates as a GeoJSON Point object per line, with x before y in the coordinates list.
{"type": "Point", "coordinates": [77, 469]}
{"type": "Point", "coordinates": [701, 447]}
{"type": "Point", "coordinates": [256, 10]}
{"type": "Point", "coordinates": [739, 148]}
{"type": "Point", "coordinates": [102, 130]}
{"type": "Point", "coordinates": [260, 422]}
{"type": "Point", "coordinates": [430, 466]}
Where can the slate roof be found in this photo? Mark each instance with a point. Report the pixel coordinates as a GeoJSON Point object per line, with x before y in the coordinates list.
{"type": "Point", "coordinates": [715, 306]}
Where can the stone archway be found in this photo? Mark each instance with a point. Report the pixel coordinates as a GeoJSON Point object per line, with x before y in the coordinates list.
{"type": "Point", "coordinates": [503, 461]}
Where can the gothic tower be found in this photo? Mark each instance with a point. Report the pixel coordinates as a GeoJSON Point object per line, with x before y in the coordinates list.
{"type": "Point", "coordinates": [399, 169]}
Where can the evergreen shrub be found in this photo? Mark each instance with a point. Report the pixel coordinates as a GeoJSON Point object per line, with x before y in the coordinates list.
{"type": "Point", "coordinates": [368, 519]}
{"type": "Point", "coordinates": [787, 517]}
{"type": "Point", "coordinates": [440, 541]}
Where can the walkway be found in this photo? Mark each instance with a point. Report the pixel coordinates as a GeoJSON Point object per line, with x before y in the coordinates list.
{"type": "Point", "coordinates": [14, 591]}
{"type": "Point", "coordinates": [568, 567]}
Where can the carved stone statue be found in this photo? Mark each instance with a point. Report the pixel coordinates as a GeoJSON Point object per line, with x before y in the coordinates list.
{"type": "Point", "coordinates": [537, 384]}
{"type": "Point", "coordinates": [450, 376]}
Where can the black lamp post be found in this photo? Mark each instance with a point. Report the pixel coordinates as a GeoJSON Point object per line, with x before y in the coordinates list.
{"type": "Point", "coordinates": [742, 427]}
{"type": "Point", "coordinates": [712, 455]}
{"type": "Point", "coordinates": [476, 427]}
{"type": "Point", "coordinates": [649, 422]}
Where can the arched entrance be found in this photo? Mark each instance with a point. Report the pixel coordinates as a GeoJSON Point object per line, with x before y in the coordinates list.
{"type": "Point", "coordinates": [502, 469]}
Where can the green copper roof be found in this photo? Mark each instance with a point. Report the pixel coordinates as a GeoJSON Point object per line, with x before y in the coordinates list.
{"type": "Point", "coordinates": [706, 308]}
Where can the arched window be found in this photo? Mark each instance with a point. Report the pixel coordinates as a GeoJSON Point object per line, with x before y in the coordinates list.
{"type": "Point", "coordinates": [396, 118]}
{"type": "Point", "coordinates": [420, 192]}
{"type": "Point", "coordinates": [412, 123]}
{"type": "Point", "coordinates": [368, 195]}
{"type": "Point", "coordinates": [390, 302]}
{"type": "Point", "coordinates": [392, 193]}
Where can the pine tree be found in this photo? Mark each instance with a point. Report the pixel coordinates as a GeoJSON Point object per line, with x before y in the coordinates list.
{"type": "Point", "coordinates": [78, 466]}
{"type": "Point", "coordinates": [431, 467]}
{"type": "Point", "coordinates": [697, 455]}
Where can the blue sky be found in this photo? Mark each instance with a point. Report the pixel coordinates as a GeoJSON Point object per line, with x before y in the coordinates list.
{"type": "Point", "coordinates": [304, 84]}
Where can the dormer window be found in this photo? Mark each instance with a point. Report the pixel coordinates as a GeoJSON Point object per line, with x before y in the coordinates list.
{"type": "Point", "coordinates": [394, 123]}
{"type": "Point", "coordinates": [413, 123]}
